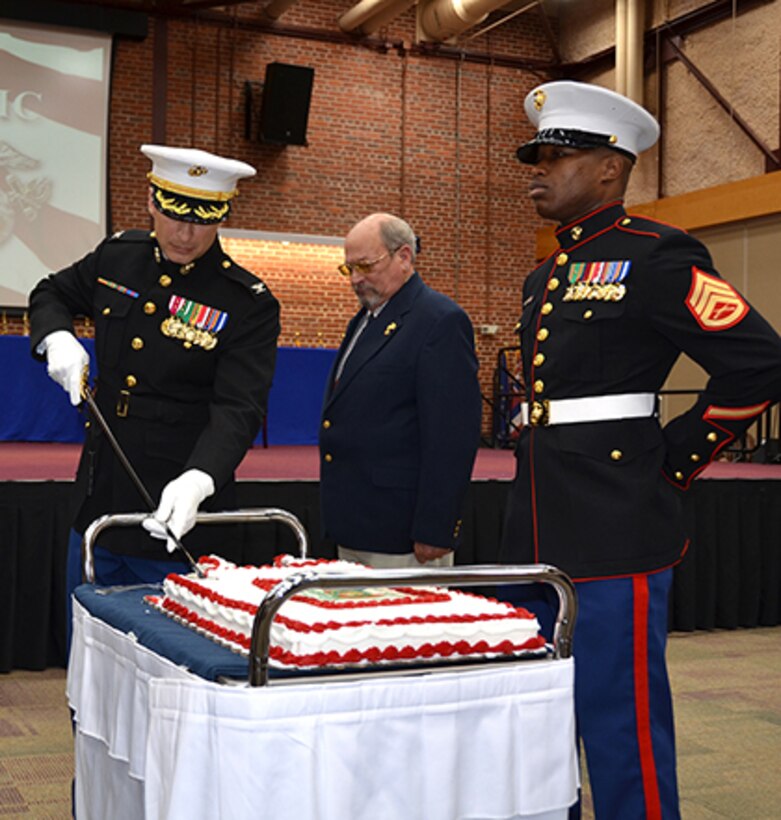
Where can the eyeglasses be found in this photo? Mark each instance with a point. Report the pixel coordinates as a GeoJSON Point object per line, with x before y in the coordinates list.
{"type": "Point", "coordinates": [362, 268]}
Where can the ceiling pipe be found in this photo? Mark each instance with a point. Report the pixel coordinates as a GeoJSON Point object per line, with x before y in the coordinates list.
{"type": "Point", "coordinates": [368, 16]}
{"type": "Point", "coordinates": [506, 19]}
{"type": "Point", "coordinates": [276, 8]}
{"type": "Point", "coordinates": [443, 19]}
{"type": "Point", "coordinates": [621, 46]}
{"type": "Point", "coordinates": [630, 31]}
{"type": "Point", "coordinates": [635, 32]}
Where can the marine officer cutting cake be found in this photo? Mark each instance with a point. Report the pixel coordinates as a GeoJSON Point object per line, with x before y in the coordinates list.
{"type": "Point", "coordinates": [185, 342]}
{"type": "Point", "coordinates": [600, 483]}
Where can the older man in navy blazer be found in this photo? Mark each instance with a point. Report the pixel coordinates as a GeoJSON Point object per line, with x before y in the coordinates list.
{"type": "Point", "coordinates": [402, 409]}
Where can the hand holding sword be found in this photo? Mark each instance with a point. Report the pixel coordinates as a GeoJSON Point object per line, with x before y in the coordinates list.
{"type": "Point", "coordinates": [194, 487]}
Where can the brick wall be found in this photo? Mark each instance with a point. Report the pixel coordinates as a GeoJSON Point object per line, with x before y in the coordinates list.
{"type": "Point", "coordinates": [429, 138]}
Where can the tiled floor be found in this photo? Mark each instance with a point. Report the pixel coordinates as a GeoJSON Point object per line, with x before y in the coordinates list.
{"type": "Point", "coordinates": [36, 745]}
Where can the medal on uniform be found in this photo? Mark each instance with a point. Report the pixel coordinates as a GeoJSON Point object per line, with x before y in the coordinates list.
{"type": "Point", "coordinates": [600, 281]}
{"type": "Point", "coordinates": [193, 323]}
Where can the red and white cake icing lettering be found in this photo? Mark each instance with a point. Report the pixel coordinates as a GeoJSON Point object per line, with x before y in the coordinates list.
{"type": "Point", "coordinates": [346, 626]}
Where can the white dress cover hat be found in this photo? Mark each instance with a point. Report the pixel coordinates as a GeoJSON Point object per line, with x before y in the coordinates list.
{"type": "Point", "coordinates": [579, 115]}
{"type": "Point", "coordinates": [193, 185]}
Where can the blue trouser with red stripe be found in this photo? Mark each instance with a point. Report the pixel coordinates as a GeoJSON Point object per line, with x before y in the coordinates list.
{"type": "Point", "coordinates": [622, 694]}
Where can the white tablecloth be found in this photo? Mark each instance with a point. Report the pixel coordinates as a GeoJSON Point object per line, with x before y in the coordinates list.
{"type": "Point", "coordinates": [155, 741]}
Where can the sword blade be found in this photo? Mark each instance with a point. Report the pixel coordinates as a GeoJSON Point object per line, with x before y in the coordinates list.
{"type": "Point", "coordinates": [134, 477]}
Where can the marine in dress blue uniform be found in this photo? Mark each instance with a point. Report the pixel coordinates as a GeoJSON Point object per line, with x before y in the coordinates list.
{"type": "Point", "coordinates": [599, 482]}
{"type": "Point", "coordinates": [401, 413]}
{"type": "Point", "coordinates": [185, 346]}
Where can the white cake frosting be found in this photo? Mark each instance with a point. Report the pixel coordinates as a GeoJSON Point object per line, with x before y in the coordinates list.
{"type": "Point", "coordinates": [346, 626]}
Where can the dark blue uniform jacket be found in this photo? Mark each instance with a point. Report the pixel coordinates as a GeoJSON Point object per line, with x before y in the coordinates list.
{"type": "Point", "coordinates": [609, 313]}
{"type": "Point", "coordinates": [173, 402]}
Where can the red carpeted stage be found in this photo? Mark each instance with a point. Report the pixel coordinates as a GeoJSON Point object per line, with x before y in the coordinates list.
{"type": "Point", "coordinates": [730, 577]}
{"type": "Point", "coordinates": [24, 461]}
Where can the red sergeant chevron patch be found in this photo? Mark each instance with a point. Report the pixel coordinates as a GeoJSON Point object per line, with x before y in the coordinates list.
{"type": "Point", "coordinates": [714, 303]}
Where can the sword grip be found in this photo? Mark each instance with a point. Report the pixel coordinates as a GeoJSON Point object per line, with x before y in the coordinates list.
{"type": "Point", "coordinates": [125, 462]}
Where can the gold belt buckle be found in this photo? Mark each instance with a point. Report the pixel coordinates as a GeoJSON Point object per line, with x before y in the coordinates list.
{"type": "Point", "coordinates": [539, 413]}
{"type": "Point", "coordinates": [123, 402]}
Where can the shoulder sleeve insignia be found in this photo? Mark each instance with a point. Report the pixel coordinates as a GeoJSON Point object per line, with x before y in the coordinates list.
{"type": "Point", "coordinates": [713, 302]}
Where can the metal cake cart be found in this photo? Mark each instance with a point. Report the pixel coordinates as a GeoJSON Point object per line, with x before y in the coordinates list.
{"type": "Point", "coordinates": [496, 737]}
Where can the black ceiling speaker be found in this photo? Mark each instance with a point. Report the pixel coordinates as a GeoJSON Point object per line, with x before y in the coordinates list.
{"type": "Point", "coordinates": [284, 108]}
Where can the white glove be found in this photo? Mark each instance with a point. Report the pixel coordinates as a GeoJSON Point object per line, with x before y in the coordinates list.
{"type": "Point", "coordinates": [178, 506]}
{"type": "Point", "coordinates": [66, 359]}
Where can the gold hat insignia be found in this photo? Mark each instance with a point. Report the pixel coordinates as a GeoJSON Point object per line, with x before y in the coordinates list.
{"type": "Point", "coordinates": [197, 171]}
{"type": "Point", "coordinates": [539, 99]}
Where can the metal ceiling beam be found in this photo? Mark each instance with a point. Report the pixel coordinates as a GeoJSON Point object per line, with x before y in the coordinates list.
{"type": "Point", "coordinates": [674, 46]}
{"type": "Point", "coordinates": [161, 8]}
{"type": "Point", "coordinates": [700, 18]}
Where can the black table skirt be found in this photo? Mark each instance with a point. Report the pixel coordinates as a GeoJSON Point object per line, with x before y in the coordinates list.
{"type": "Point", "coordinates": [731, 576]}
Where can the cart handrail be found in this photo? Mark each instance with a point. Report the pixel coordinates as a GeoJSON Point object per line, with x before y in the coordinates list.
{"type": "Point", "coordinates": [462, 576]}
{"type": "Point", "coordinates": [248, 516]}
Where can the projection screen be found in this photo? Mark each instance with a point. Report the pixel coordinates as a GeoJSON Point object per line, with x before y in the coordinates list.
{"type": "Point", "coordinates": [54, 91]}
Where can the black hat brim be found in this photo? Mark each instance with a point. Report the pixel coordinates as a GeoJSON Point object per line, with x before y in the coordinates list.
{"type": "Point", "coordinates": [568, 138]}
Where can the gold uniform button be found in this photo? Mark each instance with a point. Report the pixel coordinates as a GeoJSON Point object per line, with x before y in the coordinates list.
{"type": "Point", "coordinates": [616, 455]}
{"type": "Point", "coordinates": [712, 437]}
{"type": "Point", "coordinates": [326, 424]}
{"type": "Point", "coordinates": [547, 308]}
{"type": "Point", "coordinates": [562, 259]}
{"type": "Point", "coordinates": [106, 311]}
{"type": "Point", "coordinates": [553, 284]}
{"type": "Point", "coordinates": [164, 280]}
{"type": "Point", "coordinates": [588, 314]}
{"type": "Point", "coordinates": [328, 457]}
{"type": "Point", "coordinates": [226, 263]}
{"type": "Point", "coordinates": [539, 386]}
{"type": "Point", "coordinates": [542, 334]}
{"type": "Point", "coordinates": [131, 381]}
{"type": "Point", "coordinates": [694, 457]}
{"type": "Point", "coordinates": [150, 308]}
{"type": "Point", "coordinates": [538, 359]}
{"type": "Point", "coordinates": [137, 343]}
{"type": "Point", "coordinates": [679, 475]}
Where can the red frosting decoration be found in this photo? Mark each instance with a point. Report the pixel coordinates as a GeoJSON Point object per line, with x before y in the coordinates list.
{"type": "Point", "coordinates": [371, 655]}
{"type": "Point", "coordinates": [443, 649]}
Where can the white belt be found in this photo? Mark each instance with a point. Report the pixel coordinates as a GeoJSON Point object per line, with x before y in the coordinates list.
{"type": "Point", "coordinates": [588, 408]}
